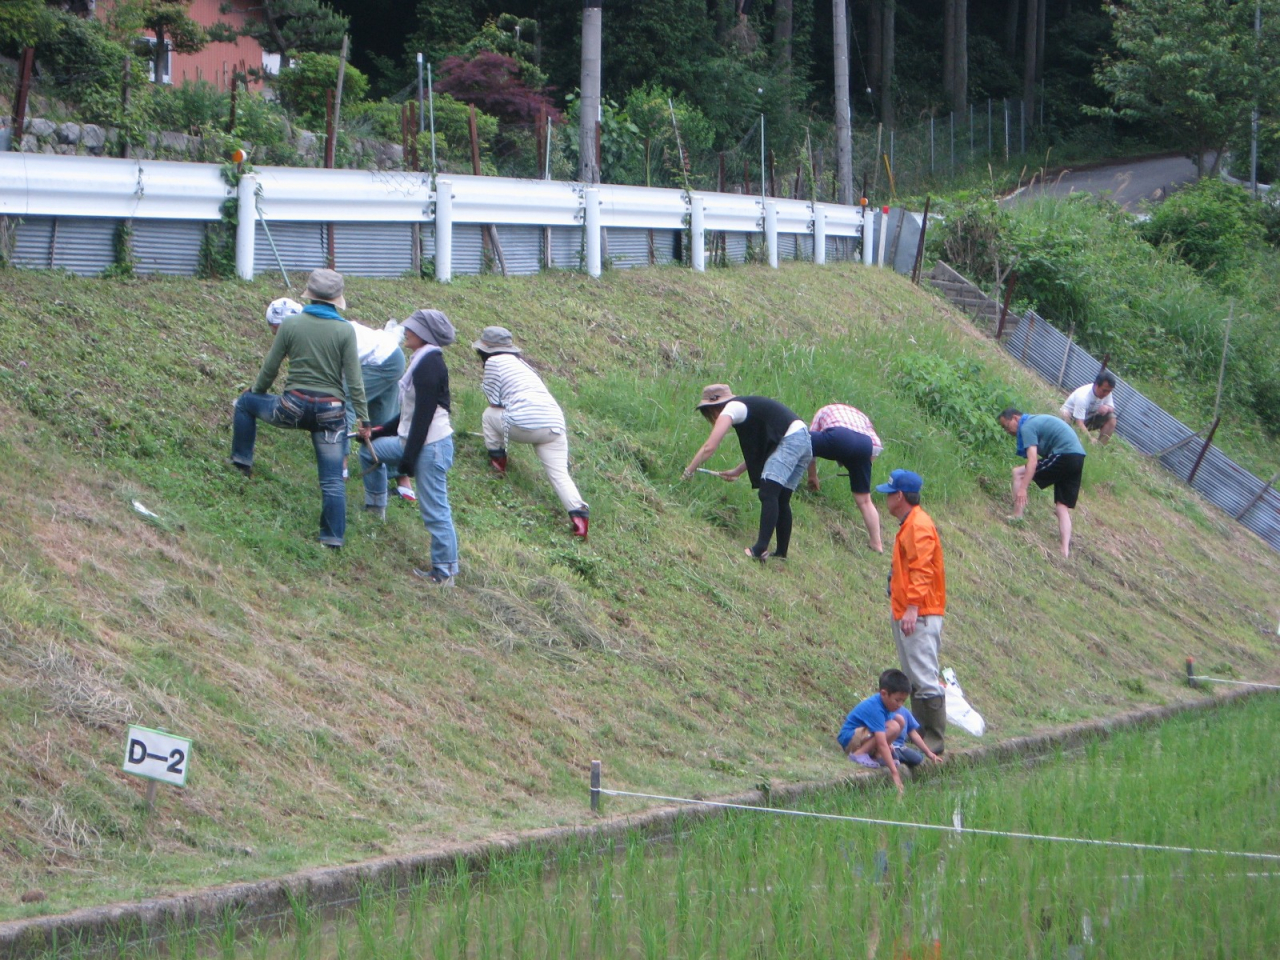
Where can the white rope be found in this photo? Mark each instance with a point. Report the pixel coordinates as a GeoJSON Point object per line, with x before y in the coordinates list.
{"type": "Point", "coordinates": [953, 829]}
{"type": "Point", "coordinates": [1243, 683]}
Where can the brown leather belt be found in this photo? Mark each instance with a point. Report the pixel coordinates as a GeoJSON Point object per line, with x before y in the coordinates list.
{"type": "Point", "coordinates": [311, 398]}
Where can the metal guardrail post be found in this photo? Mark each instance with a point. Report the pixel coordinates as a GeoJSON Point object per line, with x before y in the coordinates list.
{"type": "Point", "coordinates": [697, 235]}
{"type": "Point", "coordinates": [591, 227]}
{"type": "Point", "coordinates": [819, 235]}
{"type": "Point", "coordinates": [246, 217]}
{"type": "Point", "coordinates": [771, 232]}
{"type": "Point", "coordinates": [868, 237]}
{"type": "Point", "coordinates": [444, 230]}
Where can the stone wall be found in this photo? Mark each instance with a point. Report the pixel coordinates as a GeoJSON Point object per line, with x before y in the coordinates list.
{"type": "Point", "coordinates": [88, 139]}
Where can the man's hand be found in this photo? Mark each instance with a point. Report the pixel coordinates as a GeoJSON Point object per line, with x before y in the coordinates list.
{"type": "Point", "coordinates": [929, 754]}
{"type": "Point", "coordinates": [909, 621]}
{"type": "Point", "coordinates": [688, 473]}
{"type": "Point", "coordinates": [364, 431]}
{"type": "Point", "coordinates": [1020, 501]}
{"type": "Point", "coordinates": [814, 485]}
{"type": "Point", "coordinates": [728, 476]}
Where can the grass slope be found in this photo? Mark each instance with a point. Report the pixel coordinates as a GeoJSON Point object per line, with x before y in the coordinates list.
{"type": "Point", "coordinates": [341, 709]}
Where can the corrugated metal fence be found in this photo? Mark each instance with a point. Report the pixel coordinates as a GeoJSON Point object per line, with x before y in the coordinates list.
{"type": "Point", "coordinates": [1151, 430]}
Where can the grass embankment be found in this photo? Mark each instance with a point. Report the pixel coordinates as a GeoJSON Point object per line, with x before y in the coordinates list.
{"type": "Point", "coordinates": [342, 709]}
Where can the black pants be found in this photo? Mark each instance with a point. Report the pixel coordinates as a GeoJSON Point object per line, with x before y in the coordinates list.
{"type": "Point", "coordinates": [775, 515]}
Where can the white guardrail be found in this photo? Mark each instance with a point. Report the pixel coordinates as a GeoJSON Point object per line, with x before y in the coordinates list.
{"type": "Point", "coordinates": [34, 185]}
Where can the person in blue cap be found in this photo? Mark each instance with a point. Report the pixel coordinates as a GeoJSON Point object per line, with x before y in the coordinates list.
{"type": "Point", "coordinates": [918, 601]}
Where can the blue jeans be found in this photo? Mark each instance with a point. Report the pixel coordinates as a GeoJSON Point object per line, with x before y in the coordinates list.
{"type": "Point", "coordinates": [789, 460]}
{"type": "Point", "coordinates": [381, 390]}
{"type": "Point", "coordinates": [326, 423]}
{"type": "Point", "coordinates": [431, 480]}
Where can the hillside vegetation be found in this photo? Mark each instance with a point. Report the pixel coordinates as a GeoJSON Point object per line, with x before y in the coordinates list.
{"type": "Point", "coordinates": [341, 708]}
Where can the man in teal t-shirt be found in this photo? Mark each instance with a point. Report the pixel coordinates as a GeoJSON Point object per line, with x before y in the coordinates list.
{"type": "Point", "coordinates": [1054, 456]}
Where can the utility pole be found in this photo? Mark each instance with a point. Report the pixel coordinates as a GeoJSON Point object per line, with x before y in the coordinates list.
{"type": "Point", "coordinates": [1253, 134]}
{"type": "Point", "coordinates": [589, 118]}
{"type": "Point", "coordinates": [844, 132]}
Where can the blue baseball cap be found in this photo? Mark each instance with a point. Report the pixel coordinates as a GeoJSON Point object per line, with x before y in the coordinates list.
{"type": "Point", "coordinates": [902, 481]}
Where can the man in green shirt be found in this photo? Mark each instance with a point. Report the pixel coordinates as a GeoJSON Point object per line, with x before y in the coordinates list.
{"type": "Point", "coordinates": [324, 368]}
{"type": "Point", "coordinates": [1054, 456]}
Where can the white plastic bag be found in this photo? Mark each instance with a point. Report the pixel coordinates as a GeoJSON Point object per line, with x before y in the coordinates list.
{"type": "Point", "coordinates": [959, 711]}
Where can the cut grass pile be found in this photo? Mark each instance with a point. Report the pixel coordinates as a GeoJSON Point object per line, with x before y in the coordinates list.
{"type": "Point", "coordinates": [340, 709]}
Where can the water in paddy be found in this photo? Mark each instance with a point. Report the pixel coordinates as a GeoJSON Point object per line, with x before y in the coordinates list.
{"type": "Point", "coordinates": [760, 885]}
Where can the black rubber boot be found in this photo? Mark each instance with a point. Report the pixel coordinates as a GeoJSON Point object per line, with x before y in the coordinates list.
{"type": "Point", "coordinates": [931, 712]}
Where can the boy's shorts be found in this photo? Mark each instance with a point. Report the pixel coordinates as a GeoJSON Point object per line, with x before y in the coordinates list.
{"type": "Point", "coordinates": [859, 736]}
{"type": "Point", "coordinates": [1063, 470]}
{"type": "Point", "coordinates": [908, 756]}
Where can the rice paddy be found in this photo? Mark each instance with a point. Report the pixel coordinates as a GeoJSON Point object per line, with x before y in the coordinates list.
{"type": "Point", "coordinates": [756, 884]}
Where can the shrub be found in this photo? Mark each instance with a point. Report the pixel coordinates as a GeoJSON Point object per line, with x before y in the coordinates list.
{"type": "Point", "coordinates": [190, 107]}
{"type": "Point", "coordinates": [304, 87]}
{"type": "Point", "coordinates": [960, 394]}
{"type": "Point", "coordinates": [86, 66]}
{"type": "Point", "coordinates": [1211, 224]}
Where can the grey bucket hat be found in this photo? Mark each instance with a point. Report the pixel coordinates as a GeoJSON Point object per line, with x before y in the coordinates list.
{"type": "Point", "coordinates": [326, 286]}
{"type": "Point", "coordinates": [495, 340]}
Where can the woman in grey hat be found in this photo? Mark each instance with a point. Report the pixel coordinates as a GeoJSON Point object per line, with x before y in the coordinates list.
{"type": "Point", "coordinates": [522, 410]}
{"type": "Point", "coordinates": [422, 444]}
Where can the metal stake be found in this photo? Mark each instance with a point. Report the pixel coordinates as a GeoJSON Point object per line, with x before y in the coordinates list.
{"type": "Point", "coordinates": [595, 786]}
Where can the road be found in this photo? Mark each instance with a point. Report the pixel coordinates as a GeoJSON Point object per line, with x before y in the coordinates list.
{"type": "Point", "coordinates": [1129, 183]}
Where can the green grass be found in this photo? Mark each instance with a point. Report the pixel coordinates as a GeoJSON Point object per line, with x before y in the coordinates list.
{"type": "Point", "coordinates": [341, 711]}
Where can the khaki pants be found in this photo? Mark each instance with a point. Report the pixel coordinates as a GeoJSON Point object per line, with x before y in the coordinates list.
{"type": "Point", "coordinates": [550, 444]}
{"type": "Point", "coordinates": [918, 655]}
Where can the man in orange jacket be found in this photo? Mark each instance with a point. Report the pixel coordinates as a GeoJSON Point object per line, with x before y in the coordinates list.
{"type": "Point", "coordinates": [918, 598]}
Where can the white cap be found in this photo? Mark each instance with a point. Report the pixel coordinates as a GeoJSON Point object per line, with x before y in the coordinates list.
{"type": "Point", "coordinates": [277, 310]}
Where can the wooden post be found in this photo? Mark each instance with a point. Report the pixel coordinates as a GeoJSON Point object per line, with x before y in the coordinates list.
{"type": "Point", "coordinates": [595, 786]}
{"type": "Point", "coordinates": [151, 796]}
{"type": "Point", "coordinates": [599, 158]}
{"type": "Point", "coordinates": [1175, 446]}
{"type": "Point", "coordinates": [1191, 671]}
{"type": "Point", "coordinates": [328, 131]}
{"type": "Point", "coordinates": [415, 121]}
{"type": "Point", "coordinates": [126, 148]}
{"type": "Point", "coordinates": [1010, 285]}
{"type": "Point", "coordinates": [25, 65]}
{"type": "Point", "coordinates": [231, 118]}
{"type": "Point", "coordinates": [1222, 367]}
{"type": "Point", "coordinates": [1261, 493]}
{"type": "Point", "coordinates": [540, 142]}
{"type": "Point", "coordinates": [924, 226]}
{"type": "Point", "coordinates": [1031, 326]}
{"type": "Point", "coordinates": [475, 141]}
{"type": "Point", "coordinates": [1203, 450]}
{"type": "Point", "coordinates": [1062, 370]}
{"type": "Point", "coordinates": [1106, 359]}
{"type": "Point", "coordinates": [337, 97]}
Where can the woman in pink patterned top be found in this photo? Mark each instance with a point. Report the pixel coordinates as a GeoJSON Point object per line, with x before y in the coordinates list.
{"type": "Point", "coordinates": [844, 434]}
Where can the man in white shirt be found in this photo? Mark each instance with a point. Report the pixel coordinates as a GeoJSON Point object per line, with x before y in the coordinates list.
{"type": "Point", "coordinates": [1092, 408]}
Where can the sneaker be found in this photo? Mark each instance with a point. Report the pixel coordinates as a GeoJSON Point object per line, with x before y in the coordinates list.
{"type": "Point", "coordinates": [345, 474]}
{"type": "Point", "coordinates": [406, 493]}
{"type": "Point", "coordinates": [371, 511]}
{"type": "Point", "coordinates": [244, 468]}
{"type": "Point", "coordinates": [437, 577]}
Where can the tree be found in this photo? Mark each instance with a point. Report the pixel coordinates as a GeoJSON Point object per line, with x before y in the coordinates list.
{"type": "Point", "coordinates": [494, 83]}
{"type": "Point", "coordinates": [24, 23]}
{"type": "Point", "coordinates": [293, 26]}
{"type": "Point", "coordinates": [167, 20]}
{"type": "Point", "coordinates": [1191, 69]}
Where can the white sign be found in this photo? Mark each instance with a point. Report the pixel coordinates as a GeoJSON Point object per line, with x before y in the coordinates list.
{"type": "Point", "coordinates": [157, 756]}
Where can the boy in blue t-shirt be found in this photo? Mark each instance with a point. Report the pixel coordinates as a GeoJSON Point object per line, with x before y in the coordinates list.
{"type": "Point", "coordinates": [865, 730]}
